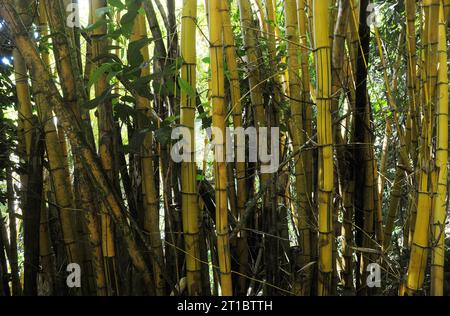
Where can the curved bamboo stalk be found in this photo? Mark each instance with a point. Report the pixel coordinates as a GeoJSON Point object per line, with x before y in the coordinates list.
{"type": "Point", "coordinates": [67, 70]}
{"type": "Point", "coordinates": [73, 129]}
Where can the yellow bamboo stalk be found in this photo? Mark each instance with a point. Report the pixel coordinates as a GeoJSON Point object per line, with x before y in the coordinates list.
{"type": "Point", "coordinates": [22, 88]}
{"type": "Point", "coordinates": [190, 208]}
{"type": "Point", "coordinates": [447, 8]}
{"type": "Point", "coordinates": [236, 108]}
{"type": "Point", "coordinates": [105, 125]}
{"type": "Point", "coordinates": [420, 241]}
{"type": "Point", "coordinates": [298, 136]}
{"type": "Point", "coordinates": [394, 202]}
{"type": "Point", "coordinates": [321, 18]}
{"type": "Point", "coordinates": [338, 88]}
{"type": "Point", "coordinates": [262, 18]}
{"type": "Point", "coordinates": [218, 108]}
{"type": "Point", "coordinates": [377, 195]}
{"type": "Point", "coordinates": [353, 42]}
{"type": "Point", "coordinates": [253, 63]}
{"type": "Point", "coordinates": [151, 202]}
{"type": "Point", "coordinates": [255, 83]}
{"type": "Point", "coordinates": [307, 115]}
{"type": "Point", "coordinates": [403, 152]}
{"type": "Point", "coordinates": [412, 120]}
{"type": "Point", "coordinates": [24, 103]}
{"type": "Point", "coordinates": [423, 106]}
{"type": "Point", "coordinates": [59, 169]}
{"type": "Point", "coordinates": [278, 78]}
{"type": "Point", "coordinates": [274, 35]}
{"type": "Point", "coordinates": [73, 129]}
{"type": "Point", "coordinates": [58, 166]}
{"type": "Point", "coordinates": [271, 33]}
{"type": "Point", "coordinates": [440, 205]}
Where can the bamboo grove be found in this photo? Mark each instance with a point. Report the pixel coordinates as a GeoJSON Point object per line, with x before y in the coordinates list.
{"type": "Point", "coordinates": [92, 92]}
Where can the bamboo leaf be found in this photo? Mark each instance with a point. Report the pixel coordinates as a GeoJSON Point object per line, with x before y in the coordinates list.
{"type": "Point", "coordinates": [95, 26]}
{"type": "Point", "coordinates": [117, 4]}
{"type": "Point", "coordinates": [105, 96]}
{"type": "Point", "coordinates": [163, 134]}
{"type": "Point", "coordinates": [98, 72]}
{"type": "Point", "coordinates": [186, 87]}
{"type": "Point", "coordinates": [134, 55]}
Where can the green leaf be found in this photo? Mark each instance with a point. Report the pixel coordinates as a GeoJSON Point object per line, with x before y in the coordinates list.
{"type": "Point", "coordinates": [127, 22]}
{"type": "Point", "coordinates": [141, 85]}
{"type": "Point", "coordinates": [95, 75]}
{"type": "Point", "coordinates": [143, 81]}
{"type": "Point", "coordinates": [117, 4]}
{"type": "Point", "coordinates": [169, 120]}
{"type": "Point", "coordinates": [124, 112]}
{"type": "Point", "coordinates": [128, 99]}
{"type": "Point", "coordinates": [186, 87]}
{"type": "Point", "coordinates": [134, 55]}
{"type": "Point", "coordinates": [96, 25]}
{"type": "Point", "coordinates": [102, 11]}
{"type": "Point", "coordinates": [107, 57]}
{"type": "Point", "coordinates": [200, 177]}
{"type": "Point", "coordinates": [113, 47]}
{"type": "Point", "coordinates": [105, 96]}
{"type": "Point", "coordinates": [128, 18]}
{"type": "Point", "coordinates": [163, 135]}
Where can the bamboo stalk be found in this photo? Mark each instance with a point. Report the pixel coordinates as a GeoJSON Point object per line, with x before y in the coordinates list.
{"type": "Point", "coordinates": [420, 241]}
{"type": "Point", "coordinates": [106, 146]}
{"type": "Point", "coordinates": [13, 259]}
{"type": "Point", "coordinates": [73, 129]}
{"type": "Point", "coordinates": [307, 122]}
{"type": "Point", "coordinates": [67, 68]}
{"type": "Point", "coordinates": [218, 108]}
{"type": "Point", "coordinates": [321, 18]}
{"type": "Point", "coordinates": [440, 205]}
{"type": "Point", "coordinates": [413, 117]}
{"type": "Point", "coordinates": [254, 77]}
{"type": "Point", "coordinates": [151, 201]}
{"type": "Point", "coordinates": [394, 203]}
{"type": "Point", "coordinates": [298, 138]}
{"type": "Point", "coordinates": [190, 208]}
{"type": "Point", "coordinates": [24, 104]}
{"type": "Point", "coordinates": [236, 109]}
{"type": "Point", "coordinates": [46, 253]}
